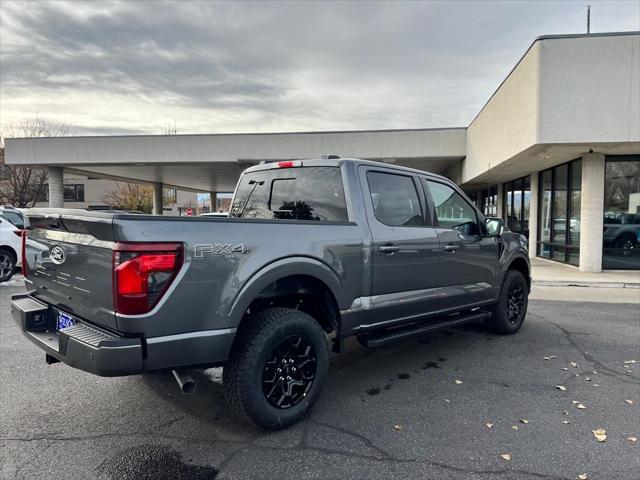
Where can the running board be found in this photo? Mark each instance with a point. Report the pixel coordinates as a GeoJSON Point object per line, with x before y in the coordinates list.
{"type": "Point", "coordinates": [385, 337]}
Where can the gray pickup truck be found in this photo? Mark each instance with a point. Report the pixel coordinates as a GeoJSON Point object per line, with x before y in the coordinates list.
{"type": "Point", "coordinates": [312, 250]}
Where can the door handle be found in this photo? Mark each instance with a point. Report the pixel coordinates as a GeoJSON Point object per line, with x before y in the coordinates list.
{"type": "Point", "coordinates": [389, 249]}
{"type": "Point", "coordinates": [450, 248]}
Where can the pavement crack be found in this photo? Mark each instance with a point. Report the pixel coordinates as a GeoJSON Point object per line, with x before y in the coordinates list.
{"type": "Point", "coordinates": [362, 438]}
{"type": "Point", "coordinates": [590, 358]}
{"type": "Point", "coordinates": [387, 457]}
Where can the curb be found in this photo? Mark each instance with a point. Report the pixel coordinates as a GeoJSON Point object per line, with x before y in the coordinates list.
{"type": "Point", "coordinates": [569, 283]}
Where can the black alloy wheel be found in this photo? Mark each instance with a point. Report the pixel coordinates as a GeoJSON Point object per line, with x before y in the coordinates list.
{"type": "Point", "coordinates": [515, 302]}
{"type": "Point", "coordinates": [289, 372]}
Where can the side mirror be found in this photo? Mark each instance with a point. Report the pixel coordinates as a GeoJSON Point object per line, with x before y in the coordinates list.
{"type": "Point", "coordinates": [495, 226]}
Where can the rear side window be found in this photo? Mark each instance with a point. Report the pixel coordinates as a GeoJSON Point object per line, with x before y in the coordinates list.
{"type": "Point", "coordinates": [395, 199]}
{"type": "Point", "coordinates": [307, 193]}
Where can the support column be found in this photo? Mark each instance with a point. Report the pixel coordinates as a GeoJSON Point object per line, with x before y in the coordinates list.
{"type": "Point", "coordinates": [500, 200]}
{"type": "Point", "coordinates": [592, 212]}
{"type": "Point", "coordinates": [533, 216]}
{"type": "Point", "coordinates": [213, 201]}
{"type": "Point", "coordinates": [56, 187]}
{"type": "Point", "coordinates": [157, 198]}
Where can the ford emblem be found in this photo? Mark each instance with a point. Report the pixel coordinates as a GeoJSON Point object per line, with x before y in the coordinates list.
{"type": "Point", "coordinates": [57, 255]}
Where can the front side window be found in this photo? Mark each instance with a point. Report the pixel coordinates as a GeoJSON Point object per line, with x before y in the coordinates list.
{"type": "Point", "coordinates": [395, 199]}
{"type": "Point", "coordinates": [452, 210]}
{"type": "Point", "coordinates": [308, 193]}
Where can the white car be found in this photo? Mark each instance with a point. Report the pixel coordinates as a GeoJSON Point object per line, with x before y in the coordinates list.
{"type": "Point", "coordinates": [10, 249]}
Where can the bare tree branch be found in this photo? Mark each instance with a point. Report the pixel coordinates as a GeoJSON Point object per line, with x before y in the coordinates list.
{"type": "Point", "coordinates": [130, 196]}
{"type": "Point", "coordinates": [23, 186]}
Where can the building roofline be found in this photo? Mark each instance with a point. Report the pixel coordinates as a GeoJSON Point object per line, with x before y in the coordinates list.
{"type": "Point", "coordinates": [550, 37]}
{"type": "Point", "coordinates": [314, 132]}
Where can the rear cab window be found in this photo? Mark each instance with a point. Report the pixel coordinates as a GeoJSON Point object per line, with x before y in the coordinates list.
{"type": "Point", "coordinates": [301, 193]}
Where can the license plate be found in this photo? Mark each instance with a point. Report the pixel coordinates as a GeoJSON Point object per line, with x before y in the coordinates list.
{"type": "Point", "coordinates": [64, 320]}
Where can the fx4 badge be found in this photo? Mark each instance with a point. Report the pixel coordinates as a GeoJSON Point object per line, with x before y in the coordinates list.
{"type": "Point", "coordinates": [201, 250]}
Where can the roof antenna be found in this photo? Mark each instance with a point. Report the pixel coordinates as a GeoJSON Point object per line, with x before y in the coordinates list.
{"type": "Point", "coordinates": [588, 19]}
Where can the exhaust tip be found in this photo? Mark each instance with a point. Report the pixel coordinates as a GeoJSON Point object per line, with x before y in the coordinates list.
{"type": "Point", "coordinates": [185, 382]}
{"type": "Point", "coordinates": [188, 387]}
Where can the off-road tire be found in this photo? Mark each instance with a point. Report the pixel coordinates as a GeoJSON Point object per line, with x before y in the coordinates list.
{"type": "Point", "coordinates": [255, 342]}
{"type": "Point", "coordinates": [500, 321]}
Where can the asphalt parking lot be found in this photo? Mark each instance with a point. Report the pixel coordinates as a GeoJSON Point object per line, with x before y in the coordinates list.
{"type": "Point", "coordinates": [394, 412]}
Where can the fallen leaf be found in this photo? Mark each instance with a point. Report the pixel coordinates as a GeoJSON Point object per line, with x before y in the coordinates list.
{"type": "Point", "coordinates": [632, 439]}
{"type": "Point", "coordinates": [596, 385]}
{"type": "Point", "coordinates": [515, 427]}
{"type": "Point", "coordinates": [565, 422]}
{"type": "Point", "coordinates": [583, 476]}
{"type": "Point", "coordinates": [561, 387]}
{"type": "Point", "coordinates": [630, 402]}
{"type": "Point", "coordinates": [574, 364]}
{"type": "Point", "coordinates": [506, 456]}
{"type": "Point", "coordinates": [575, 402]}
{"type": "Point", "coordinates": [397, 427]}
{"type": "Point", "coordinates": [565, 369]}
{"type": "Point", "coordinates": [594, 372]}
{"type": "Point", "coordinates": [489, 425]}
{"type": "Point", "coordinates": [576, 374]}
{"type": "Point", "coordinates": [587, 379]}
{"type": "Point", "coordinates": [550, 357]}
{"type": "Point", "coordinates": [447, 400]}
{"type": "Point", "coordinates": [600, 434]}
{"type": "Point", "coordinates": [565, 412]}
{"type": "Point", "coordinates": [458, 382]}
{"type": "Point", "coordinates": [524, 420]}
{"type": "Point", "coordinates": [629, 361]}
{"type": "Point", "coordinates": [581, 406]}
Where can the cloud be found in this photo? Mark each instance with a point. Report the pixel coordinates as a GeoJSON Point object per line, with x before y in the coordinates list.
{"type": "Point", "coordinates": [267, 66]}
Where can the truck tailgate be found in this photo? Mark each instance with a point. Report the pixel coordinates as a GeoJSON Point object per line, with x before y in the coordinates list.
{"type": "Point", "coordinates": [68, 258]}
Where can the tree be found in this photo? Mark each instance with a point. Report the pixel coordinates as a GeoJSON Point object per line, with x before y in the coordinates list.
{"type": "Point", "coordinates": [130, 196]}
{"type": "Point", "coordinates": [136, 197]}
{"type": "Point", "coordinates": [23, 186]}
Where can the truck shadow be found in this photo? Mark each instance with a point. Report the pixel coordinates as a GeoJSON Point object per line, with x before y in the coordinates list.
{"type": "Point", "coordinates": [208, 404]}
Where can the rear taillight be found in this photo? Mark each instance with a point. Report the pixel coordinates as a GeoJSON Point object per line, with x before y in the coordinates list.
{"type": "Point", "coordinates": [142, 272]}
{"type": "Point", "coordinates": [23, 251]}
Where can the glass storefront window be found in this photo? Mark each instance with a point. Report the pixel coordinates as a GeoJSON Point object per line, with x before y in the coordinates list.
{"type": "Point", "coordinates": [559, 223]}
{"type": "Point", "coordinates": [545, 214]}
{"type": "Point", "coordinates": [516, 205]}
{"type": "Point", "coordinates": [621, 240]}
{"type": "Point", "coordinates": [486, 200]}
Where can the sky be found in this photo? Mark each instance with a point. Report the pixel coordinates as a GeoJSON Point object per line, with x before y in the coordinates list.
{"type": "Point", "coordinates": [148, 67]}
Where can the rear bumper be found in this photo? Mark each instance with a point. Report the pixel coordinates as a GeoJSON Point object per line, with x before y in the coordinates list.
{"type": "Point", "coordinates": [81, 346]}
{"type": "Point", "coordinates": [101, 352]}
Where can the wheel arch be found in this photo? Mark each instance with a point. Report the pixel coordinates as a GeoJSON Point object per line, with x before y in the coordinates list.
{"type": "Point", "coordinates": [11, 251]}
{"type": "Point", "coordinates": [292, 279]}
{"type": "Point", "coordinates": [521, 265]}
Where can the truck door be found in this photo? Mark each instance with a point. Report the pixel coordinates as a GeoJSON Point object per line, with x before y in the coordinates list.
{"type": "Point", "coordinates": [469, 259]}
{"type": "Point", "coordinates": [405, 246]}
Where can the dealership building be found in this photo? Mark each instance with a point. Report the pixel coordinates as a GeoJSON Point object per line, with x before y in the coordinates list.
{"type": "Point", "coordinates": [555, 152]}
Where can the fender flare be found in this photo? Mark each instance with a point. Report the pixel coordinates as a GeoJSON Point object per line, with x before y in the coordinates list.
{"type": "Point", "coordinates": [286, 267]}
